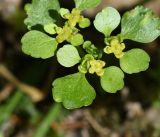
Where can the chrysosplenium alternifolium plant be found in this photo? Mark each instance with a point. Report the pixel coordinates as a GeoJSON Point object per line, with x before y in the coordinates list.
{"type": "Point", "coordinates": [74, 91]}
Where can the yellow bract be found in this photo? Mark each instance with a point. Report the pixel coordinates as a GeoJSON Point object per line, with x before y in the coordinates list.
{"type": "Point", "coordinates": [96, 66]}
{"type": "Point", "coordinates": [115, 47]}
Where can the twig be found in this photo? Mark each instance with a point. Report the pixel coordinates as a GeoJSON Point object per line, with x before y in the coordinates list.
{"type": "Point", "coordinates": [103, 131]}
{"type": "Point", "coordinates": [69, 126]}
{"type": "Point", "coordinates": [6, 91]}
{"type": "Point", "coordinates": [35, 94]}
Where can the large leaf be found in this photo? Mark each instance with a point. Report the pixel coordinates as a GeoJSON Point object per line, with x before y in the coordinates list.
{"type": "Point", "coordinates": [140, 25]}
{"type": "Point", "coordinates": [112, 79]}
{"type": "Point", "coordinates": [38, 44]}
{"type": "Point", "coordinates": [68, 56]}
{"type": "Point", "coordinates": [107, 20]}
{"type": "Point", "coordinates": [85, 4]}
{"type": "Point", "coordinates": [134, 61]}
{"type": "Point", "coordinates": [73, 91]}
{"type": "Point", "coordinates": [40, 11]}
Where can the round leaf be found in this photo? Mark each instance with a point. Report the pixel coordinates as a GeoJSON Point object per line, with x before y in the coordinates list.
{"type": "Point", "coordinates": [73, 91]}
{"type": "Point", "coordinates": [63, 12]}
{"type": "Point", "coordinates": [84, 23]}
{"type": "Point", "coordinates": [77, 40]}
{"type": "Point", "coordinates": [38, 44]}
{"type": "Point", "coordinates": [140, 25]}
{"type": "Point", "coordinates": [39, 12]}
{"type": "Point", "coordinates": [107, 20]}
{"type": "Point", "coordinates": [112, 79]}
{"type": "Point", "coordinates": [50, 28]}
{"type": "Point", "coordinates": [134, 61]}
{"type": "Point", "coordinates": [68, 56]}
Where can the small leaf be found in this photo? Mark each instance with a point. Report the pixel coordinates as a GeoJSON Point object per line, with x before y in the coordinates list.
{"type": "Point", "coordinates": [107, 20]}
{"type": "Point", "coordinates": [77, 40]}
{"type": "Point", "coordinates": [134, 61]}
{"type": "Point", "coordinates": [85, 4]}
{"type": "Point", "coordinates": [68, 56]}
{"type": "Point", "coordinates": [73, 91]}
{"type": "Point", "coordinates": [84, 23]}
{"type": "Point", "coordinates": [140, 25]}
{"type": "Point", "coordinates": [40, 11]}
{"type": "Point", "coordinates": [50, 28]}
{"type": "Point", "coordinates": [38, 44]}
{"type": "Point", "coordinates": [64, 12]}
{"type": "Point", "coordinates": [112, 79]}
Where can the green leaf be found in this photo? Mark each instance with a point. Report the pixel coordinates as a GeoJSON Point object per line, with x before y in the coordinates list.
{"type": "Point", "coordinates": [77, 40]}
{"type": "Point", "coordinates": [38, 44]}
{"type": "Point", "coordinates": [68, 56]}
{"type": "Point", "coordinates": [64, 12]}
{"type": "Point", "coordinates": [84, 23]}
{"type": "Point", "coordinates": [73, 91]}
{"type": "Point", "coordinates": [112, 79]}
{"type": "Point", "coordinates": [134, 61]}
{"type": "Point", "coordinates": [140, 25]}
{"type": "Point", "coordinates": [39, 12]}
{"type": "Point", "coordinates": [107, 20]}
{"type": "Point", "coordinates": [50, 28]}
{"type": "Point", "coordinates": [85, 4]}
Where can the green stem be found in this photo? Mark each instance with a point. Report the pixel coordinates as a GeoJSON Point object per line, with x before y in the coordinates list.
{"type": "Point", "coordinates": [11, 106]}
{"type": "Point", "coordinates": [46, 123]}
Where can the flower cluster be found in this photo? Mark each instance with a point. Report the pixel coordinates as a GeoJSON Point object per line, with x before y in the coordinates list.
{"type": "Point", "coordinates": [97, 67]}
{"type": "Point", "coordinates": [91, 65]}
{"type": "Point", "coordinates": [115, 47]}
{"type": "Point", "coordinates": [69, 32]}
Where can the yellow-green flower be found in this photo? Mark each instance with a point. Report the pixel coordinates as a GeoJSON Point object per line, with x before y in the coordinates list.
{"type": "Point", "coordinates": [85, 64]}
{"type": "Point", "coordinates": [115, 47]}
{"type": "Point", "coordinates": [96, 66]}
{"type": "Point", "coordinates": [74, 17]}
{"type": "Point", "coordinates": [64, 34]}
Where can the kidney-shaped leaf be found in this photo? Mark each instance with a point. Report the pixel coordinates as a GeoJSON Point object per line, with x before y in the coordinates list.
{"type": "Point", "coordinates": [112, 79]}
{"type": "Point", "coordinates": [73, 91]}
{"type": "Point", "coordinates": [134, 61]}
{"type": "Point", "coordinates": [38, 44]}
{"type": "Point", "coordinates": [107, 20]}
{"type": "Point", "coordinates": [68, 56]}
{"type": "Point", "coordinates": [140, 25]}
{"type": "Point", "coordinates": [40, 11]}
{"type": "Point", "coordinates": [85, 4]}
